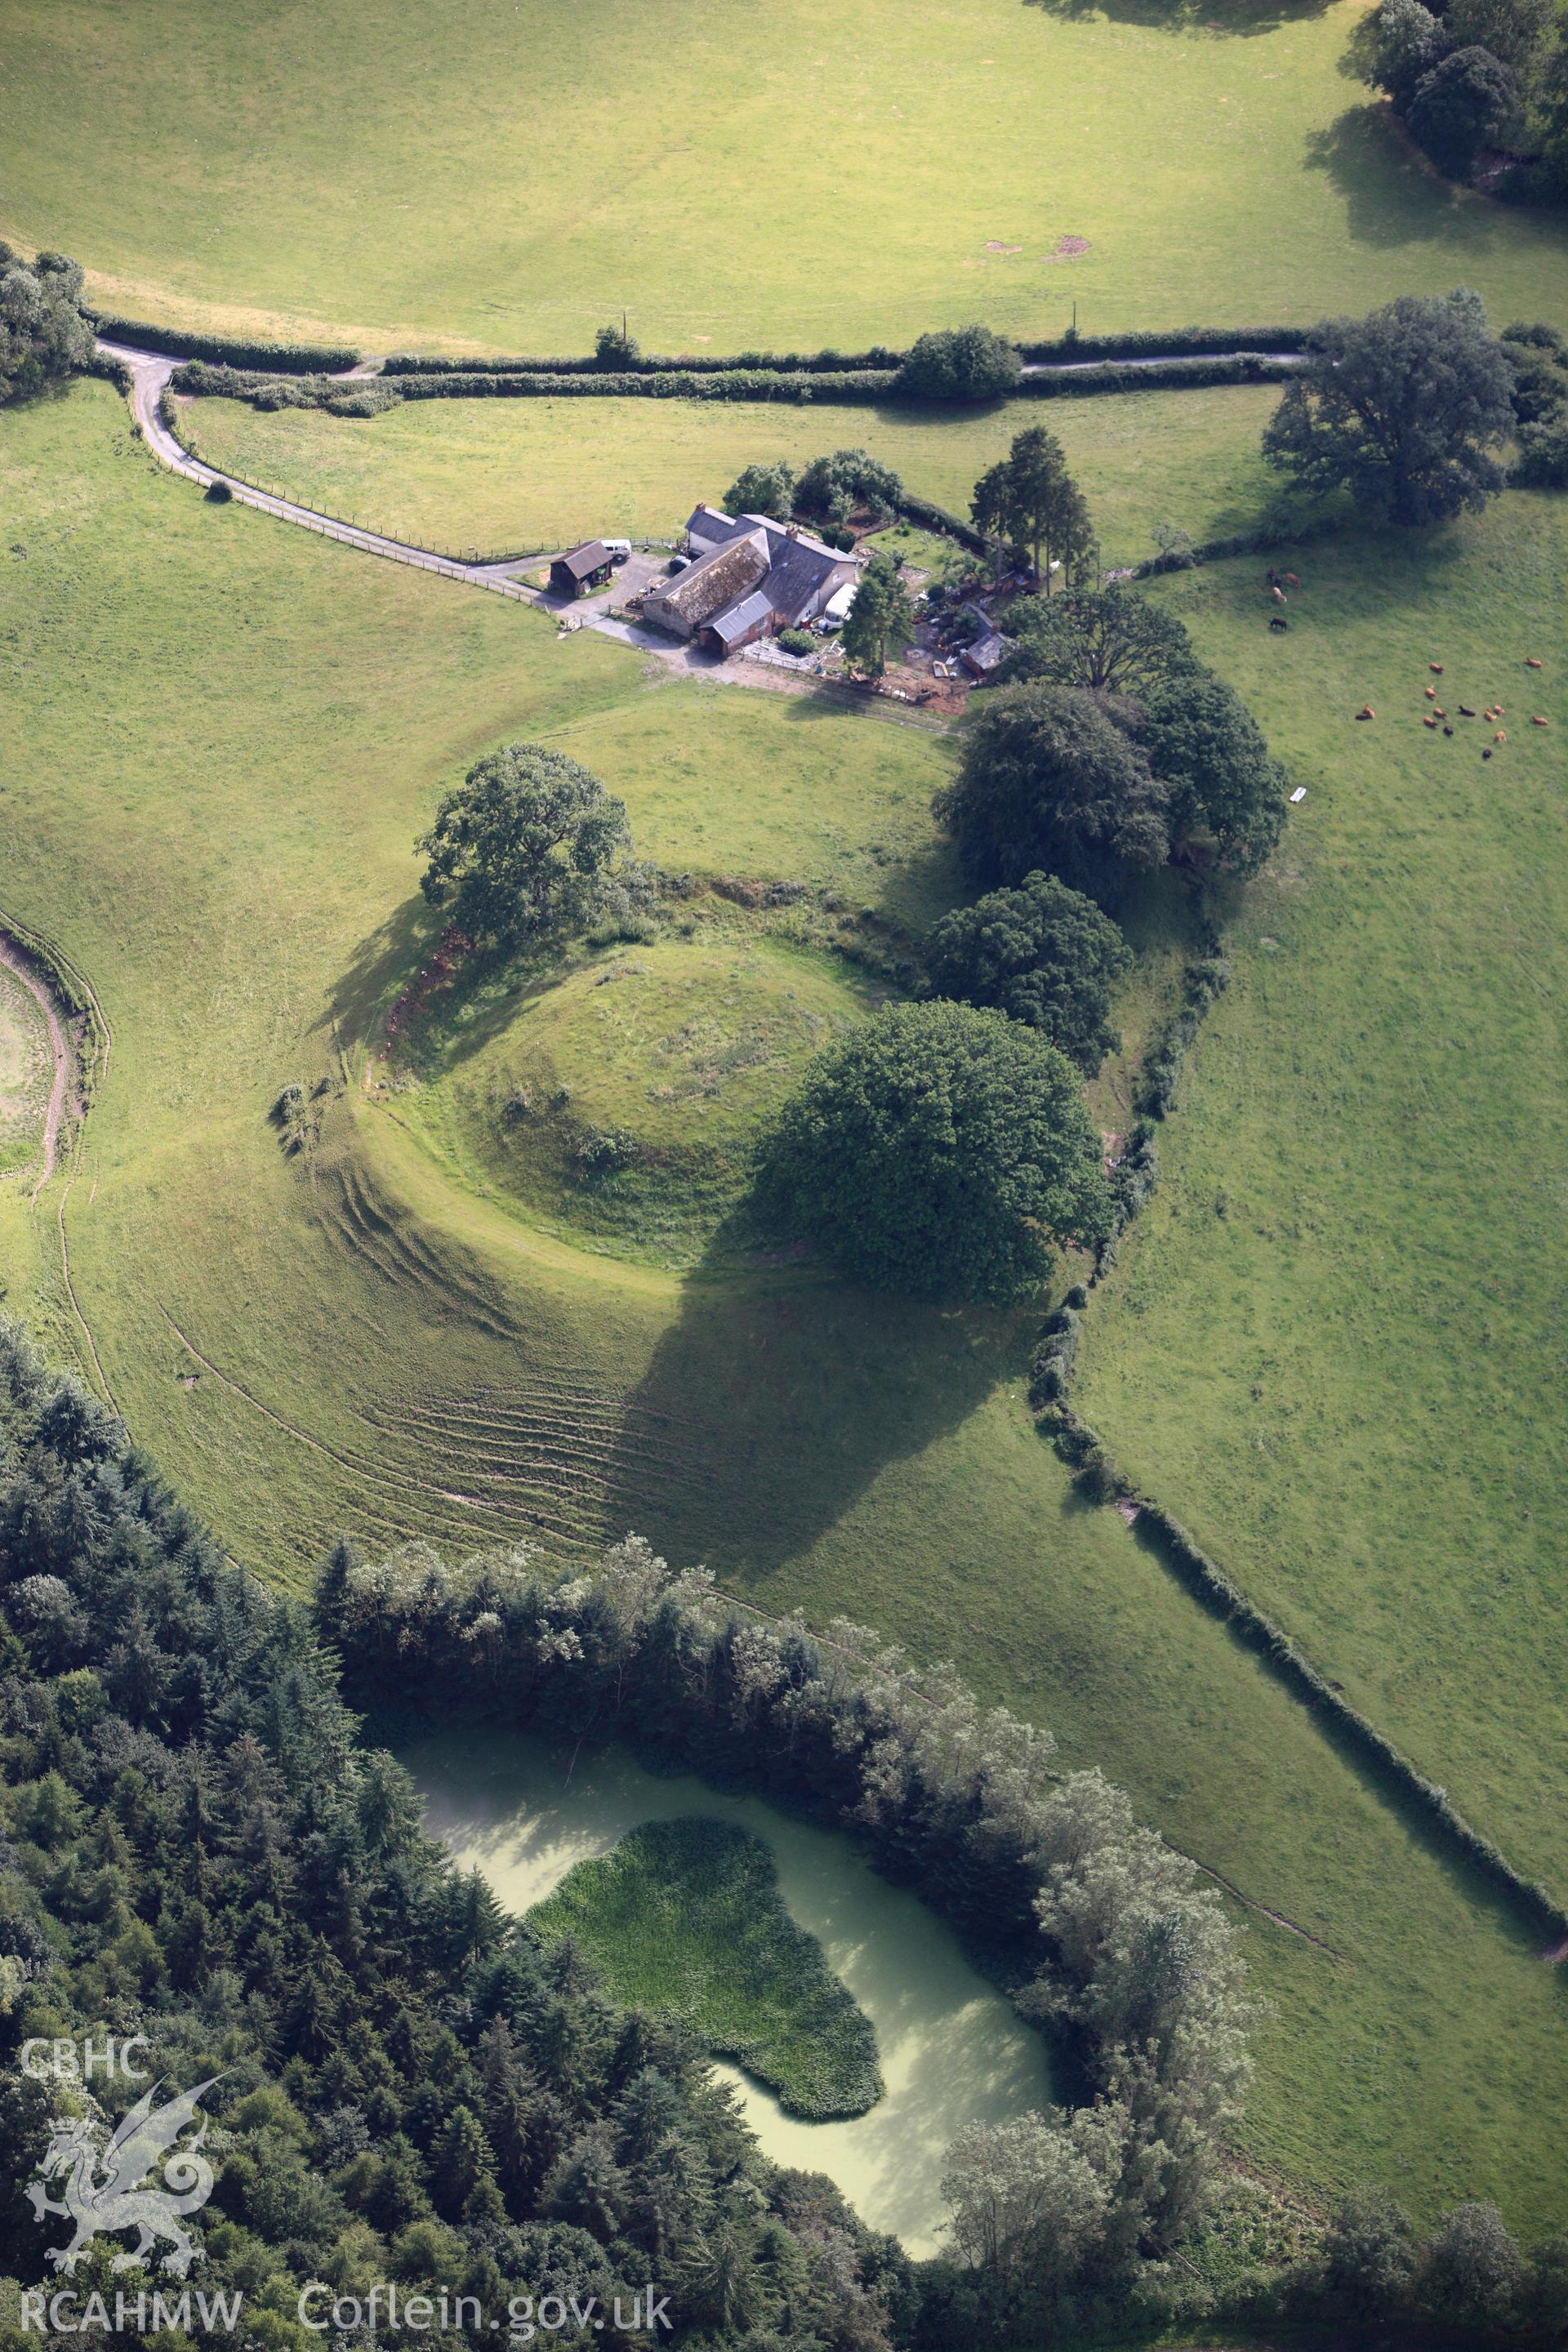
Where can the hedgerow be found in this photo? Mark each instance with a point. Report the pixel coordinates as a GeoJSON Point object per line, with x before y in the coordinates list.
{"type": "Point", "coordinates": [827, 362]}
{"type": "Point", "coordinates": [1183, 342]}
{"type": "Point", "coordinates": [234, 350]}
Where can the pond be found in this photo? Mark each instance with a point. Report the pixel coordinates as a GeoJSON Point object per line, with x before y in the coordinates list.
{"type": "Point", "coordinates": [951, 2048]}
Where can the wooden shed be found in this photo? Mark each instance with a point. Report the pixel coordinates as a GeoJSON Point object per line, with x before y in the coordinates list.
{"type": "Point", "coordinates": [581, 570]}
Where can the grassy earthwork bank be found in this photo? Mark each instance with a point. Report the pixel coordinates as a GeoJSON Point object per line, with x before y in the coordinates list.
{"type": "Point", "coordinates": [520, 475]}
{"type": "Point", "coordinates": [685, 1916]}
{"type": "Point", "coordinates": [1334, 1347]}
{"type": "Point", "coordinates": [26, 1069]}
{"type": "Point", "coordinates": [227, 737]}
{"type": "Point", "coordinates": [507, 176]}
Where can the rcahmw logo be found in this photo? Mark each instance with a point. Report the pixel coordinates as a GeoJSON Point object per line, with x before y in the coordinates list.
{"type": "Point", "coordinates": [106, 2190]}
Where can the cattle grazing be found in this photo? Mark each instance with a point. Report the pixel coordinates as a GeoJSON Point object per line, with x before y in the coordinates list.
{"type": "Point", "coordinates": [1531, 662]}
{"type": "Point", "coordinates": [1279, 595]}
{"type": "Point", "coordinates": [1276, 621]}
{"type": "Point", "coordinates": [1435, 669]}
{"type": "Point", "coordinates": [1465, 710]}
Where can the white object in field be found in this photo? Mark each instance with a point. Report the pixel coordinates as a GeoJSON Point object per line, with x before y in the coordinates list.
{"type": "Point", "coordinates": [1300, 793]}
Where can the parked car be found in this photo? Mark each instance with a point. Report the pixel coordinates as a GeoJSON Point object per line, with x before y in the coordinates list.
{"type": "Point", "coordinates": [617, 550]}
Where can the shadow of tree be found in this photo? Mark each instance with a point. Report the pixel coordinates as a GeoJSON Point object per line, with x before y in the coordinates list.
{"type": "Point", "coordinates": [795, 1393]}
{"type": "Point", "coordinates": [1189, 17]}
{"type": "Point", "coordinates": [1392, 195]}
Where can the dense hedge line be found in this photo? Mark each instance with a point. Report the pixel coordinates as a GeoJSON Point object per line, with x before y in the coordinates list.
{"type": "Point", "coordinates": [237, 350]}
{"type": "Point", "coordinates": [249, 384]}
{"type": "Point", "coordinates": [110, 369]}
{"type": "Point", "coordinates": [261, 385]}
{"type": "Point", "coordinates": [931, 517]}
{"type": "Point", "coordinates": [1175, 375]}
{"type": "Point", "coordinates": [402, 363]}
{"type": "Point", "coordinates": [1240, 542]}
{"type": "Point", "coordinates": [1184, 342]}
{"type": "Point", "coordinates": [1187, 343]}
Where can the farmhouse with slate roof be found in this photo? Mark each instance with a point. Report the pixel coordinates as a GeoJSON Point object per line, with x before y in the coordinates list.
{"type": "Point", "coordinates": [752, 576]}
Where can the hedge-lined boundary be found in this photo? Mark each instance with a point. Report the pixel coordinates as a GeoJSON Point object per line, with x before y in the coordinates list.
{"type": "Point", "coordinates": [853, 386]}
{"type": "Point", "coordinates": [1084, 1451]}
{"type": "Point", "coordinates": [174, 343]}
{"type": "Point", "coordinates": [110, 369]}
{"type": "Point", "coordinates": [246, 383]}
{"type": "Point", "coordinates": [1082, 1447]}
{"type": "Point", "coordinates": [829, 362]}
{"type": "Point", "coordinates": [1187, 343]}
{"type": "Point", "coordinates": [912, 507]}
{"type": "Point", "coordinates": [1169, 375]}
{"type": "Point", "coordinates": [1240, 543]}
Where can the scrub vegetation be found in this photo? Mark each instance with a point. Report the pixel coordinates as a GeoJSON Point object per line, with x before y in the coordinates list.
{"type": "Point", "coordinates": [685, 1919]}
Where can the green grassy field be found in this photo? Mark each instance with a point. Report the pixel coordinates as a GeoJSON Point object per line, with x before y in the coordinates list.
{"type": "Point", "coordinates": [226, 735]}
{"type": "Point", "coordinates": [686, 1916]}
{"type": "Point", "coordinates": [622, 1102]}
{"type": "Point", "coordinates": [1335, 1347]}
{"type": "Point", "coordinates": [517, 474]}
{"type": "Point", "coordinates": [510, 176]}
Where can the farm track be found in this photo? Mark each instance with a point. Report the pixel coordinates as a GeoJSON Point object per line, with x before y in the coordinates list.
{"type": "Point", "coordinates": [149, 375]}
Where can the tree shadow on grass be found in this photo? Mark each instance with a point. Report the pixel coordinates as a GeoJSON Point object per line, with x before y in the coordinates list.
{"type": "Point", "coordinates": [1189, 16]}
{"type": "Point", "coordinates": [393, 949]}
{"type": "Point", "coordinates": [790, 1393]}
{"type": "Point", "coordinates": [456, 1017]}
{"type": "Point", "coordinates": [1392, 195]}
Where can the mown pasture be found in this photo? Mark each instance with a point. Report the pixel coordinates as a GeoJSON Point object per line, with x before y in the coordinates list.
{"type": "Point", "coordinates": [1335, 1346]}
{"type": "Point", "coordinates": [226, 735]}
{"type": "Point", "coordinates": [520, 476]}
{"type": "Point", "coordinates": [506, 175]}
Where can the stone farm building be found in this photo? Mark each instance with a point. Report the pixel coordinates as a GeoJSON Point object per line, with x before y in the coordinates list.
{"type": "Point", "coordinates": [750, 577]}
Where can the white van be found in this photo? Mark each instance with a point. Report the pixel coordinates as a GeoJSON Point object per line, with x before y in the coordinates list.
{"type": "Point", "coordinates": [617, 550]}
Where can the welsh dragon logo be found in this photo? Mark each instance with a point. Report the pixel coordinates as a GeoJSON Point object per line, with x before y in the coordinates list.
{"type": "Point", "coordinates": [117, 2200]}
